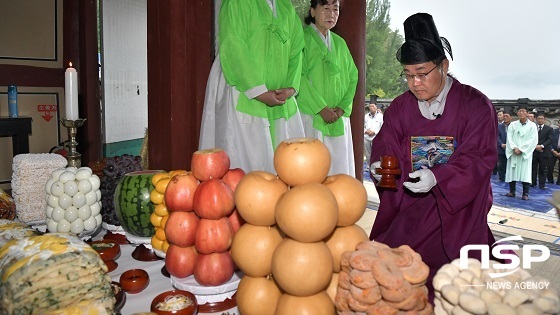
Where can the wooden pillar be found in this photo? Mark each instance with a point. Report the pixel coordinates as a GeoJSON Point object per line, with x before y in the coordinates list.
{"type": "Point", "coordinates": [180, 55]}
{"type": "Point", "coordinates": [89, 137]}
{"type": "Point", "coordinates": [352, 27]}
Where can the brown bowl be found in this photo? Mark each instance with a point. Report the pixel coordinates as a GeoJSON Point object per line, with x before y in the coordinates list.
{"type": "Point", "coordinates": [108, 250]}
{"type": "Point", "coordinates": [189, 310]}
{"type": "Point", "coordinates": [120, 296]}
{"type": "Point", "coordinates": [134, 280]}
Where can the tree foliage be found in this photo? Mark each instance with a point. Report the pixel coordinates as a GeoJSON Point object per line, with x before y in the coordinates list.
{"type": "Point", "coordinates": [382, 68]}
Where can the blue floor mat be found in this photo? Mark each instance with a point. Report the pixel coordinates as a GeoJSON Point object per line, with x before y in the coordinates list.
{"type": "Point", "coordinates": [537, 198]}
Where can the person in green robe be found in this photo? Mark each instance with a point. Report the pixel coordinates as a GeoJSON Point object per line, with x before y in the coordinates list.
{"type": "Point", "coordinates": [250, 104]}
{"type": "Point", "coordinates": [521, 141]}
{"type": "Point", "coordinates": [328, 85]}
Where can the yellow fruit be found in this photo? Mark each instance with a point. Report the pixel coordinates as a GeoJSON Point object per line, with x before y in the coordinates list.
{"type": "Point", "coordinates": [161, 210]}
{"type": "Point", "coordinates": [163, 221]}
{"type": "Point", "coordinates": [162, 184]}
{"type": "Point", "coordinates": [156, 243]}
{"type": "Point", "coordinates": [155, 219]}
{"type": "Point", "coordinates": [156, 197]}
{"type": "Point", "coordinates": [159, 176]}
{"type": "Point", "coordinates": [175, 172]}
{"type": "Point", "coordinates": [160, 234]}
{"type": "Point", "coordinates": [165, 246]}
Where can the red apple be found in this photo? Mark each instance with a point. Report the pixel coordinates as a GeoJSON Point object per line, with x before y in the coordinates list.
{"type": "Point", "coordinates": [179, 194]}
{"type": "Point", "coordinates": [213, 200]}
{"type": "Point", "coordinates": [209, 163]}
{"type": "Point", "coordinates": [181, 227]}
{"type": "Point", "coordinates": [213, 269]}
{"type": "Point", "coordinates": [236, 220]}
{"type": "Point", "coordinates": [232, 177]}
{"type": "Point", "coordinates": [256, 197]}
{"type": "Point", "coordinates": [179, 261]}
{"type": "Point", "coordinates": [213, 236]}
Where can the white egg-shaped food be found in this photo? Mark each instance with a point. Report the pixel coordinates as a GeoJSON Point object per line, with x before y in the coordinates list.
{"type": "Point", "coordinates": [91, 198]}
{"type": "Point", "coordinates": [52, 226]}
{"type": "Point", "coordinates": [83, 173]}
{"type": "Point", "coordinates": [84, 186]}
{"type": "Point", "coordinates": [84, 212]}
{"type": "Point", "coordinates": [90, 224]}
{"type": "Point", "coordinates": [95, 182]}
{"type": "Point", "coordinates": [71, 214]}
{"type": "Point", "coordinates": [77, 226]}
{"type": "Point", "coordinates": [52, 200]}
{"type": "Point", "coordinates": [70, 188]}
{"type": "Point", "coordinates": [49, 184]}
{"type": "Point", "coordinates": [57, 214]}
{"type": "Point", "coordinates": [57, 188]}
{"type": "Point", "coordinates": [49, 212]}
{"type": "Point", "coordinates": [64, 201]}
{"type": "Point", "coordinates": [95, 208]}
{"type": "Point", "coordinates": [63, 226]}
{"type": "Point", "coordinates": [99, 219]}
{"type": "Point", "coordinates": [67, 176]}
{"type": "Point", "coordinates": [79, 199]}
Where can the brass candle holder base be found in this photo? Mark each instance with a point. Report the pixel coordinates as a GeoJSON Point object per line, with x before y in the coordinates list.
{"type": "Point", "coordinates": [73, 157]}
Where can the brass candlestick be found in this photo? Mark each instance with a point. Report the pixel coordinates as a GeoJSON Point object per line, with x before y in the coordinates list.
{"type": "Point", "coordinates": [74, 158]}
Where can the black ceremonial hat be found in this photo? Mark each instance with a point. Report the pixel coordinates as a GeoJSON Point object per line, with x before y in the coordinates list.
{"type": "Point", "coordinates": [422, 41]}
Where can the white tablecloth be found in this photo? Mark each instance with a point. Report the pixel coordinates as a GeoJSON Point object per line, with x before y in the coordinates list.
{"type": "Point", "coordinates": [136, 303]}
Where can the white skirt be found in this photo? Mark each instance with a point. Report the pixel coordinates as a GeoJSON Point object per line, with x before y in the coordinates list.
{"type": "Point", "coordinates": [246, 139]}
{"type": "Point", "coordinates": [341, 148]}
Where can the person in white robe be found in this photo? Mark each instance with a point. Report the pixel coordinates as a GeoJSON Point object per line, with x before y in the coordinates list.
{"type": "Point", "coordinates": [522, 137]}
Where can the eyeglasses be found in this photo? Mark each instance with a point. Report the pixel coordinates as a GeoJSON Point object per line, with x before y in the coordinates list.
{"type": "Point", "coordinates": [420, 76]}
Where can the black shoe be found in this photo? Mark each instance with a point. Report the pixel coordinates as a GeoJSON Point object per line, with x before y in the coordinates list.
{"type": "Point", "coordinates": [510, 194]}
{"type": "Point", "coordinates": [557, 183]}
{"type": "Point", "coordinates": [525, 197]}
{"type": "Point", "coordinates": [542, 188]}
{"type": "Point", "coordinates": [551, 182]}
{"type": "Point", "coordinates": [533, 185]}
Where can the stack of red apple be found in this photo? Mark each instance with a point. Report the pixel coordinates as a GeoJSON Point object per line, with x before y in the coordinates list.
{"type": "Point", "coordinates": [298, 224]}
{"type": "Point", "coordinates": [202, 219]}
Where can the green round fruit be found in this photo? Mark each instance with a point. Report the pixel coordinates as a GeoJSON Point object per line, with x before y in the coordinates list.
{"type": "Point", "coordinates": [133, 205]}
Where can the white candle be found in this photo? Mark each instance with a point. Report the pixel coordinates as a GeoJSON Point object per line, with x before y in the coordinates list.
{"type": "Point", "coordinates": [71, 93]}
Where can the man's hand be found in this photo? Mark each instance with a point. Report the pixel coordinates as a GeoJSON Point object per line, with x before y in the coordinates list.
{"type": "Point", "coordinates": [425, 184]}
{"type": "Point", "coordinates": [339, 112]}
{"type": "Point", "coordinates": [516, 151]}
{"type": "Point", "coordinates": [270, 98]}
{"type": "Point", "coordinates": [328, 115]}
{"type": "Point", "coordinates": [372, 170]}
{"type": "Point", "coordinates": [539, 148]}
{"type": "Point", "coordinates": [284, 93]}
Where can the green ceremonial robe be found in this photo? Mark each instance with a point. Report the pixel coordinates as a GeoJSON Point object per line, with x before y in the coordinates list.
{"type": "Point", "coordinates": [329, 78]}
{"type": "Point", "coordinates": [258, 48]}
{"type": "Point", "coordinates": [524, 137]}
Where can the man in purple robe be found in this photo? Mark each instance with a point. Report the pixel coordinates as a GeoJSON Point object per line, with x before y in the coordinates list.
{"type": "Point", "coordinates": [437, 207]}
